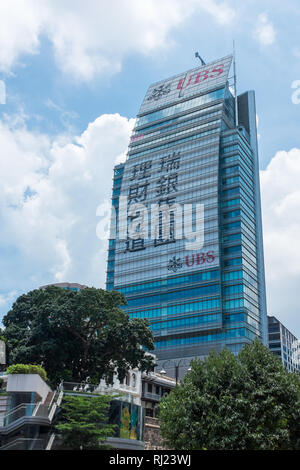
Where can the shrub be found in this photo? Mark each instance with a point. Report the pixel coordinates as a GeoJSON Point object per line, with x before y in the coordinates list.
{"type": "Point", "coordinates": [27, 369]}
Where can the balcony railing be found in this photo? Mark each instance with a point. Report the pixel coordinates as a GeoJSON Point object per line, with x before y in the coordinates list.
{"type": "Point", "coordinates": [76, 387]}
{"type": "Point", "coordinates": [151, 396]}
{"type": "Point", "coordinates": [32, 410]}
{"type": "Point", "coordinates": [25, 444]}
{"type": "Point", "coordinates": [23, 410]}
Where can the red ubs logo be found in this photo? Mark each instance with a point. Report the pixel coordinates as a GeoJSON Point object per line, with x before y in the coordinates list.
{"type": "Point", "coordinates": [201, 76]}
{"type": "Point", "coordinates": [199, 258]}
{"type": "Point", "coordinates": [191, 260]}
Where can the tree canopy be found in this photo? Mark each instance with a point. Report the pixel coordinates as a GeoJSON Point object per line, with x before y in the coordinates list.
{"type": "Point", "coordinates": [229, 402]}
{"type": "Point", "coordinates": [84, 422]}
{"type": "Point", "coordinates": [27, 369]}
{"type": "Point", "coordinates": [75, 335]}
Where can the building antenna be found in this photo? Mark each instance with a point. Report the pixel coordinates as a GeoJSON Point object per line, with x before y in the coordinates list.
{"type": "Point", "coordinates": [235, 85]}
{"type": "Point", "coordinates": [200, 58]}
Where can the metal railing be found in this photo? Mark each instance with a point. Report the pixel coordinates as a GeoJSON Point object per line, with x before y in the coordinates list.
{"type": "Point", "coordinates": [23, 410]}
{"type": "Point", "coordinates": [82, 387]}
{"type": "Point", "coordinates": [54, 405]}
{"type": "Point", "coordinates": [24, 444]}
{"type": "Point", "coordinates": [151, 396]}
{"type": "Point", "coordinates": [51, 441]}
{"type": "Point", "coordinates": [52, 399]}
{"type": "Point", "coordinates": [31, 410]}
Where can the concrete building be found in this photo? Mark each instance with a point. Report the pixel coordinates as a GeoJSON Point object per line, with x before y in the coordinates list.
{"type": "Point", "coordinates": [27, 411]}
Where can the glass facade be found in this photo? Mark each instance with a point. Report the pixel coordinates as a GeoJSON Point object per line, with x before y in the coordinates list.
{"type": "Point", "coordinates": [127, 418]}
{"type": "Point", "coordinates": [284, 344]}
{"type": "Point", "coordinates": [186, 150]}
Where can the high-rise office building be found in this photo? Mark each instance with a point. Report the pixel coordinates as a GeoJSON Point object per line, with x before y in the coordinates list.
{"type": "Point", "coordinates": [192, 167]}
{"type": "Point", "coordinates": [284, 344]}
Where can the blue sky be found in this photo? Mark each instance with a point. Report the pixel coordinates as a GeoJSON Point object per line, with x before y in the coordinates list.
{"type": "Point", "coordinates": [75, 74]}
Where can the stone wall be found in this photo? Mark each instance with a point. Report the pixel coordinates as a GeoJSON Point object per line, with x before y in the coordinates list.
{"type": "Point", "coordinates": [152, 436]}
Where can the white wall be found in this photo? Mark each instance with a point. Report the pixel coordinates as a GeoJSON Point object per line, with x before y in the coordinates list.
{"type": "Point", "coordinates": [131, 393]}
{"type": "Point", "coordinates": [27, 383]}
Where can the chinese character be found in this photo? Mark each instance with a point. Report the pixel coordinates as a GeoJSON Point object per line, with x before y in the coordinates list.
{"type": "Point", "coordinates": [135, 245]}
{"type": "Point", "coordinates": [137, 193]}
{"type": "Point", "coordinates": [168, 200]}
{"type": "Point", "coordinates": [161, 240]}
{"type": "Point", "coordinates": [167, 185]}
{"type": "Point", "coordinates": [141, 171]}
{"type": "Point", "coordinates": [170, 163]}
{"type": "Point", "coordinates": [165, 220]}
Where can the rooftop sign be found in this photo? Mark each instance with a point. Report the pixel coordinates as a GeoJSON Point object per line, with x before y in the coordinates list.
{"type": "Point", "coordinates": [187, 84]}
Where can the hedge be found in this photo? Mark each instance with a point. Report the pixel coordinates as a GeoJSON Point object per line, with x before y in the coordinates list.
{"type": "Point", "coordinates": [27, 369]}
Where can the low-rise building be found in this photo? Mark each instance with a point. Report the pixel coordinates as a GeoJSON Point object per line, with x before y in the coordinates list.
{"type": "Point", "coordinates": [154, 386]}
{"type": "Point", "coordinates": [67, 285]}
{"type": "Point", "coordinates": [27, 411]}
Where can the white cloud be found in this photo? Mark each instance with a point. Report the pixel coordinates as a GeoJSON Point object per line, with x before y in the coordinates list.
{"type": "Point", "coordinates": [222, 13]}
{"type": "Point", "coordinates": [2, 92]}
{"type": "Point", "coordinates": [21, 23]}
{"type": "Point", "coordinates": [49, 193]}
{"type": "Point", "coordinates": [93, 37]}
{"type": "Point", "coordinates": [257, 124]}
{"type": "Point", "coordinates": [6, 299]}
{"type": "Point", "coordinates": [264, 31]}
{"type": "Point", "coordinates": [281, 221]}
{"type": "Point", "coordinates": [296, 52]}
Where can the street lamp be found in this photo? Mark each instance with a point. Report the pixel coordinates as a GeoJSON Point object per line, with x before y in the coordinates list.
{"type": "Point", "coordinates": [177, 364]}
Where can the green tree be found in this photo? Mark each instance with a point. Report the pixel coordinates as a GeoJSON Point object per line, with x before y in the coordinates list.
{"type": "Point", "coordinates": [229, 402]}
{"type": "Point", "coordinates": [85, 422]}
{"type": "Point", "coordinates": [76, 334]}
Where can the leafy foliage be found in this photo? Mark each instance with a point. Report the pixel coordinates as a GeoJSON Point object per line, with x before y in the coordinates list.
{"type": "Point", "coordinates": [85, 422]}
{"type": "Point", "coordinates": [76, 334]}
{"type": "Point", "coordinates": [226, 402]}
{"type": "Point", "coordinates": [27, 369]}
